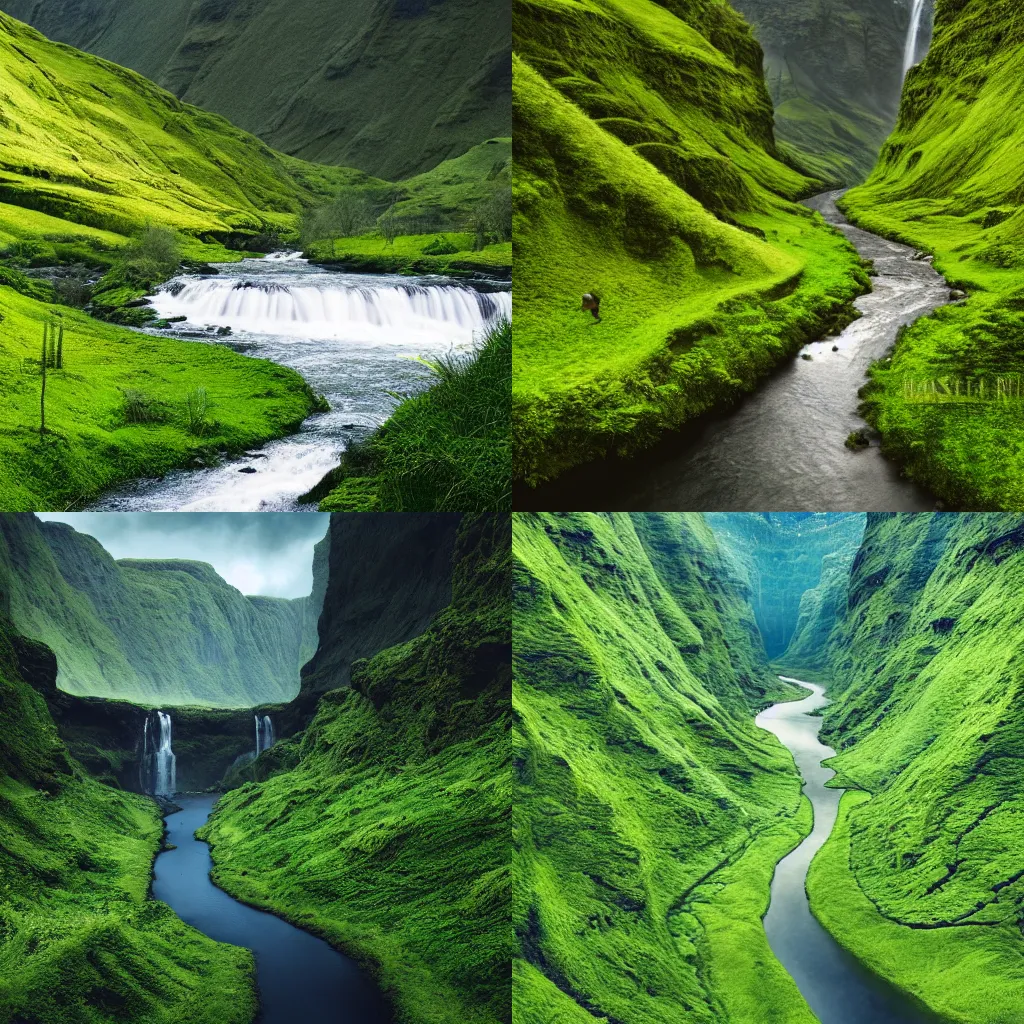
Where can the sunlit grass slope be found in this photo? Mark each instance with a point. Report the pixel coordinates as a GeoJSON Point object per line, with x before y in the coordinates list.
{"type": "Point", "coordinates": [91, 443]}
{"type": "Point", "coordinates": [950, 181]}
{"type": "Point", "coordinates": [79, 939]}
{"type": "Point", "coordinates": [389, 834]}
{"type": "Point", "coordinates": [645, 171]}
{"type": "Point", "coordinates": [649, 810]}
{"type": "Point", "coordinates": [158, 632]}
{"type": "Point", "coordinates": [90, 142]}
{"type": "Point", "coordinates": [924, 876]}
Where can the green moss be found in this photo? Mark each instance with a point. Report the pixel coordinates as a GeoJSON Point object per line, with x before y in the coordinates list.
{"type": "Point", "coordinates": [646, 173]}
{"type": "Point", "coordinates": [390, 836]}
{"type": "Point", "coordinates": [923, 877]}
{"type": "Point", "coordinates": [649, 810]}
{"type": "Point", "coordinates": [948, 182]}
{"type": "Point", "coordinates": [79, 938]}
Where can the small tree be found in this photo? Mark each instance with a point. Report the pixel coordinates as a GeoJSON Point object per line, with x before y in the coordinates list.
{"type": "Point", "coordinates": [388, 225]}
{"type": "Point", "coordinates": [42, 393]}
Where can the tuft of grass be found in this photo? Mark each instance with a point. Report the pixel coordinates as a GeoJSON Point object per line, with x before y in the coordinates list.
{"type": "Point", "coordinates": [447, 449]}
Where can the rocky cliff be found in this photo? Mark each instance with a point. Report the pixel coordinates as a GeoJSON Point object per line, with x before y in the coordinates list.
{"type": "Point", "coordinates": [392, 87]}
{"type": "Point", "coordinates": [649, 810]}
{"type": "Point", "coordinates": [924, 874]}
{"type": "Point", "coordinates": [152, 632]}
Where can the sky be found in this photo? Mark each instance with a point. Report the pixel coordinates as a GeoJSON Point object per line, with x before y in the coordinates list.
{"type": "Point", "coordinates": [268, 553]}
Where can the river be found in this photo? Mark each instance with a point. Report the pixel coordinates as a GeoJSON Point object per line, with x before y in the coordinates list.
{"type": "Point", "coordinates": [355, 338]}
{"type": "Point", "coordinates": [783, 447]}
{"type": "Point", "coordinates": [837, 987]}
{"type": "Point", "coordinates": [300, 977]}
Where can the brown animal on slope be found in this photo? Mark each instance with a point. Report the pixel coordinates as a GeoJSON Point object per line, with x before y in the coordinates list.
{"type": "Point", "coordinates": [593, 303]}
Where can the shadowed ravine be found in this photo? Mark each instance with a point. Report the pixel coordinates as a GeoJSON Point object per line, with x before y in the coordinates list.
{"type": "Point", "coordinates": [300, 977]}
{"type": "Point", "coordinates": [783, 447]}
{"type": "Point", "coordinates": [836, 986]}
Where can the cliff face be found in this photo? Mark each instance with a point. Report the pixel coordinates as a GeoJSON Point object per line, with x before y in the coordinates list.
{"type": "Point", "coordinates": [834, 72]}
{"type": "Point", "coordinates": [637, 668]}
{"type": "Point", "coordinates": [78, 936]}
{"type": "Point", "coordinates": [928, 720]}
{"type": "Point", "coordinates": [152, 632]}
{"type": "Point", "coordinates": [392, 87]}
{"type": "Point", "coordinates": [779, 556]}
{"type": "Point", "coordinates": [385, 824]}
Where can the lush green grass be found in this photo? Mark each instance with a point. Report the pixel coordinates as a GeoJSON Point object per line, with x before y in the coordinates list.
{"type": "Point", "coordinates": [393, 89]}
{"type": "Point", "coordinates": [153, 632]}
{"type": "Point", "coordinates": [373, 254]}
{"type": "Point", "coordinates": [90, 445]}
{"type": "Point", "coordinates": [390, 836]}
{"type": "Point", "coordinates": [447, 449]}
{"type": "Point", "coordinates": [925, 880]}
{"type": "Point", "coordinates": [949, 181]}
{"type": "Point", "coordinates": [79, 938]}
{"type": "Point", "coordinates": [649, 810]}
{"type": "Point", "coordinates": [646, 172]}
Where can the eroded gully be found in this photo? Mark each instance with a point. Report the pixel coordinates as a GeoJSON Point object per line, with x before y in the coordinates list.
{"type": "Point", "coordinates": [783, 447]}
{"type": "Point", "coordinates": [837, 987]}
{"type": "Point", "coordinates": [300, 977]}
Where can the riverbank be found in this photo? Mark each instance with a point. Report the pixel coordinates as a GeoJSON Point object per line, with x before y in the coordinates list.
{"type": "Point", "coordinates": [449, 254]}
{"type": "Point", "coordinates": [126, 406]}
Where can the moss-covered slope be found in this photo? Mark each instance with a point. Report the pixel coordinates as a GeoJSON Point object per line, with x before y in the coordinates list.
{"type": "Point", "coordinates": [834, 72]}
{"type": "Point", "coordinates": [152, 632]}
{"type": "Point", "coordinates": [949, 181]}
{"type": "Point", "coordinates": [391, 86]}
{"type": "Point", "coordinates": [650, 811]}
{"type": "Point", "coordinates": [387, 832]}
{"type": "Point", "coordinates": [924, 876]}
{"type": "Point", "coordinates": [645, 171]}
{"type": "Point", "coordinates": [79, 939]}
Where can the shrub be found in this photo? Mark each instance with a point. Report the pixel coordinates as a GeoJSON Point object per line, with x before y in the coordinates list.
{"type": "Point", "coordinates": [138, 407]}
{"type": "Point", "coordinates": [72, 290]}
{"type": "Point", "coordinates": [440, 246]}
{"type": "Point", "coordinates": [196, 408]}
{"type": "Point", "coordinates": [348, 214]}
{"type": "Point", "coordinates": [147, 260]}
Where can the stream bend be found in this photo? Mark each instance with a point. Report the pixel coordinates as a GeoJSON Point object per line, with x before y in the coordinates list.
{"type": "Point", "coordinates": [837, 987]}
{"type": "Point", "coordinates": [300, 977]}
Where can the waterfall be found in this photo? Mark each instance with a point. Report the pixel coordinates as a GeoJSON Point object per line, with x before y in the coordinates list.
{"type": "Point", "coordinates": [913, 31]}
{"type": "Point", "coordinates": [166, 766]}
{"type": "Point", "coordinates": [264, 734]}
{"type": "Point", "coordinates": [322, 307]}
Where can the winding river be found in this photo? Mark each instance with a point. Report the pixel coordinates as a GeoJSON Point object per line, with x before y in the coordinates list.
{"type": "Point", "coordinates": [300, 977]}
{"type": "Point", "coordinates": [783, 447]}
{"type": "Point", "coordinates": [837, 987]}
{"type": "Point", "coordinates": [355, 338]}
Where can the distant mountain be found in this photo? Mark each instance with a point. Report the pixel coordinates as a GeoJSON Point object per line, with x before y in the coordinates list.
{"type": "Point", "coordinates": [152, 632]}
{"type": "Point", "coordinates": [390, 86]}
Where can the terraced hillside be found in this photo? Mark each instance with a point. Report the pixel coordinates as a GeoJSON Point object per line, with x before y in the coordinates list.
{"type": "Point", "coordinates": [949, 182]}
{"type": "Point", "coordinates": [152, 632]}
{"type": "Point", "coordinates": [923, 877]}
{"type": "Point", "coordinates": [646, 172]}
{"type": "Point", "coordinates": [649, 810]}
{"type": "Point", "coordinates": [390, 86]}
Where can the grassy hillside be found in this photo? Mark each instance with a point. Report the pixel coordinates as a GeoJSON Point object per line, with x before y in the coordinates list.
{"type": "Point", "coordinates": [646, 172]}
{"type": "Point", "coordinates": [79, 938]}
{"type": "Point", "coordinates": [779, 556]}
{"type": "Point", "coordinates": [649, 810]}
{"type": "Point", "coordinates": [923, 878]}
{"type": "Point", "coordinates": [834, 72]}
{"type": "Point", "coordinates": [387, 832]}
{"type": "Point", "coordinates": [390, 86]}
{"type": "Point", "coordinates": [949, 181]}
{"type": "Point", "coordinates": [152, 632]}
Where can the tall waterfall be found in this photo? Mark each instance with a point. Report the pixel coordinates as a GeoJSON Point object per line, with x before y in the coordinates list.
{"type": "Point", "coordinates": [159, 765]}
{"type": "Point", "coordinates": [322, 307]}
{"type": "Point", "coordinates": [913, 31]}
{"type": "Point", "coordinates": [264, 734]}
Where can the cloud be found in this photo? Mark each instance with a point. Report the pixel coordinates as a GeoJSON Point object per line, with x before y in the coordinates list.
{"type": "Point", "coordinates": [267, 553]}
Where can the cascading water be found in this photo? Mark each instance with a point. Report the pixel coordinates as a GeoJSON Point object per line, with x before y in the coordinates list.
{"type": "Point", "coordinates": [356, 339]}
{"type": "Point", "coordinates": [166, 762]}
{"type": "Point", "coordinates": [264, 734]}
{"type": "Point", "coordinates": [913, 31]}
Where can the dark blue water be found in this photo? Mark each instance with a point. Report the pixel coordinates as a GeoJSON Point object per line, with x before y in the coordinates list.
{"type": "Point", "coordinates": [301, 979]}
{"type": "Point", "coordinates": [837, 987]}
